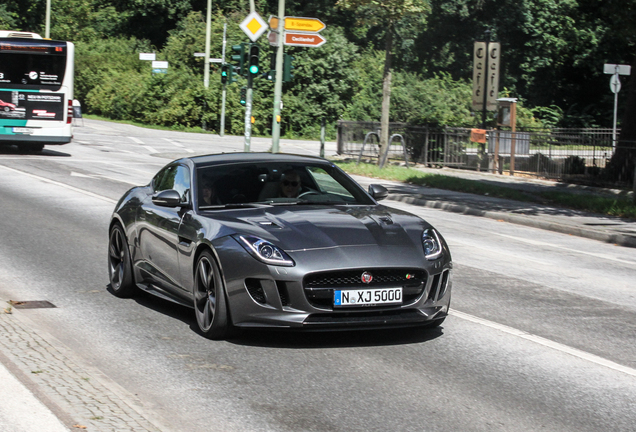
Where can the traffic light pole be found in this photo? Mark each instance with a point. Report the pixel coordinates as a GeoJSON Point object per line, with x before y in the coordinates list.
{"type": "Point", "coordinates": [248, 114]}
{"type": "Point", "coordinates": [224, 92]}
{"type": "Point", "coordinates": [278, 86]}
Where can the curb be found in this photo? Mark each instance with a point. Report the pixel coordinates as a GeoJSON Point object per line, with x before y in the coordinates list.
{"type": "Point", "coordinates": [534, 222]}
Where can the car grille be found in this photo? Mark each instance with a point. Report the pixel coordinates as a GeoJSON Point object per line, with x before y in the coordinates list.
{"type": "Point", "coordinates": [319, 287]}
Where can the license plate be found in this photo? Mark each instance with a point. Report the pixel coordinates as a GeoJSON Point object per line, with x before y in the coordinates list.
{"type": "Point", "coordinates": [23, 130]}
{"type": "Point", "coordinates": [367, 297]}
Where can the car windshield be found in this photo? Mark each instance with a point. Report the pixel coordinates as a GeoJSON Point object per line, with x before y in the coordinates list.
{"type": "Point", "coordinates": [270, 183]}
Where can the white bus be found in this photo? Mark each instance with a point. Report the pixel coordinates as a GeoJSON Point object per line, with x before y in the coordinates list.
{"type": "Point", "coordinates": [36, 90]}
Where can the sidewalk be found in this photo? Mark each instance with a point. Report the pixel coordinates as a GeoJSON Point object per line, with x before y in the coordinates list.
{"type": "Point", "coordinates": [607, 229]}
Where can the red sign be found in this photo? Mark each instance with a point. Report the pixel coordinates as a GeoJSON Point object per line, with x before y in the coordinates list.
{"type": "Point", "coordinates": [304, 39]}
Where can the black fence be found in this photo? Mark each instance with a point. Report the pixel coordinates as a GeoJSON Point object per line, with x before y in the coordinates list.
{"type": "Point", "coordinates": [562, 154]}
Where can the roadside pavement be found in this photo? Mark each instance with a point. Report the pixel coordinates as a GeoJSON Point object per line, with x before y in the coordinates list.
{"type": "Point", "coordinates": [603, 228]}
{"type": "Point", "coordinates": [42, 389]}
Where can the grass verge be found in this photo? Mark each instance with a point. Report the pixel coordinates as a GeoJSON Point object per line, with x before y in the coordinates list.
{"type": "Point", "coordinates": [619, 206]}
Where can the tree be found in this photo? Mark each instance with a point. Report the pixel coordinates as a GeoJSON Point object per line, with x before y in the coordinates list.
{"type": "Point", "coordinates": [385, 13]}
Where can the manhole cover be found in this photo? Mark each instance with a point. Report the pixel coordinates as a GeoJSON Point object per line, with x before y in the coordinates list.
{"type": "Point", "coordinates": [34, 304]}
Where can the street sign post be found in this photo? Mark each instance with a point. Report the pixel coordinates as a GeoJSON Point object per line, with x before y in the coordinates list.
{"type": "Point", "coordinates": [479, 75]}
{"type": "Point", "coordinates": [253, 26]}
{"type": "Point", "coordinates": [485, 77]}
{"type": "Point", "coordinates": [159, 67]}
{"type": "Point", "coordinates": [311, 25]}
{"type": "Point", "coordinates": [615, 86]}
{"type": "Point", "coordinates": [304, 39]}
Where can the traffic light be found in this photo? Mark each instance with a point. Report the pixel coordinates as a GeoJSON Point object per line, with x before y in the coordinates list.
{"type": "Point", "coordinates": [271, 75]}
{"type": "Point", "coordinates": [287, 67]}
{"type": "Point", "coordinates": [234, 70]}
{"type": "Point", "coordinates": [239, 57]}
{"type": "Point", "coordinates": [243, 95]}
{"type": "Point", "coordinates": [225, 73]}
{"type": "Point", "coordinates": [253, 67]}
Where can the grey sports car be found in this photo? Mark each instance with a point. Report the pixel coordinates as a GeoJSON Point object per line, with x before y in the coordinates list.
{"type": "Point", "coordinates": [277, 241]}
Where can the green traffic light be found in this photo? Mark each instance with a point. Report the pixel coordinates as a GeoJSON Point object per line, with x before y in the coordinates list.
{"type": "Point", "coordinates": [254, 69]}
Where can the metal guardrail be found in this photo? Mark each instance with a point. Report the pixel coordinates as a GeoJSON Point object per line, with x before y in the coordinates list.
{"type": "Point", "coordinates": [563, 154]}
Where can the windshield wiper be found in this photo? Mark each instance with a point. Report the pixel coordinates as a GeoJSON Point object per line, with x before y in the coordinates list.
{"type": "Point", "coordinates": [308, 202]}
{"type": "Point", "coordinates": [234, 206]}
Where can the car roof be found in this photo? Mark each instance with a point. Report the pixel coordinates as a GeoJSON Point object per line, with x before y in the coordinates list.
{"type": "Point", "coordinates": [225, 158]}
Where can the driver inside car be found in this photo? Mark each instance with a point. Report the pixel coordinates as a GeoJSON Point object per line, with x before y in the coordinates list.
{"type": "Point", "coordinates": [290, 185]}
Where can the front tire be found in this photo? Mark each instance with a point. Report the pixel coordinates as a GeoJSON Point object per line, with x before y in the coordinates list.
{"type": "Point", "coordinates": [119, 263]}
{"type": "Point", "coordinates": [210, 306]}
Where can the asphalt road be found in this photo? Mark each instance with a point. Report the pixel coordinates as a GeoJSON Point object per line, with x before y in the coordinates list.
{"type": "Point", "coordinates": [541, 335]}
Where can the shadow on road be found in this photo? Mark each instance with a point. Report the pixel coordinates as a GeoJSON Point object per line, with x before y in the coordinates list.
{"type": "Point", "coordinates": [8, 149]}
{"type": "Point", "coordinates": [335, 339]}
{"type": "Point", "coordinates": [294, 338]}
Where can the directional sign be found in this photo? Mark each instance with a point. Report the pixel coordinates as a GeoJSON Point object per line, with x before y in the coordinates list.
{"type": "Point", "coordinates": [313, 25]}
{"type": "Point", "coordinates": [304, 39]}
{"type": "Point", "coordinates": [612, 69]}
{"type": "Point", "coordinates": [160, 64]}
{"type": "Point", "coordinates": [253, 26]}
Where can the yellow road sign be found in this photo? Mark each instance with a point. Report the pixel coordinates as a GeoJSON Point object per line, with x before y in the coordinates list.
{"type": "Point", "coordinates": [313, 25]}
{"type": "Point", "coordinates": [253, 26]}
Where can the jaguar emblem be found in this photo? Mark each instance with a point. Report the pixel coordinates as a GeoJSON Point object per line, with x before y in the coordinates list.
{"type": "Point", "coordinates": [366, 277]}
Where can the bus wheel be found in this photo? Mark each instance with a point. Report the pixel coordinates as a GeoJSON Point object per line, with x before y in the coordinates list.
{"type": "Point", "coordinates": [31, 147]}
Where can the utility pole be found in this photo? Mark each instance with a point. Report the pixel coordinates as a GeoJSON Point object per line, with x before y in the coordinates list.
{"type": "Point", "coordinates": [248, 99]}
{"type": "Point", "coordinates": [278, 85]}
{"type": "Point", "coordinates": [224, 92]}
{"type": "Point", "coordinates": [47, 26]}
{"type": "Point", "coordinates": [206, 68]}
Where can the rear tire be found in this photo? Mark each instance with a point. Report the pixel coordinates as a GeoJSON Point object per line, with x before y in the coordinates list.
{"type": "Point", "coordinates": [210, 306]}
{"type": "Point", "coordinates": [122, 281]}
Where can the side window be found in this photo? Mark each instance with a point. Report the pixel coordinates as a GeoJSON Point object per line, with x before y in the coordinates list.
{"type": "Point", "coordinates": [175, 177]}
{"type": "Point", "coordinates": [182, 183]}
{"type": "Point", "coordinates": [328, 184]}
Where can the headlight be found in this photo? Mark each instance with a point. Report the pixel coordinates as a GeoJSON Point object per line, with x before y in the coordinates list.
{"type": "Point", "coordinates": [431, 243]}
{"type": "Point", "coordinates": [265, 251]}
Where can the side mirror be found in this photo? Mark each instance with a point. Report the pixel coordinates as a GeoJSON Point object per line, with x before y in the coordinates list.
{"type": "Point", "coordinates": [378, 192]}
{"type": "Point", "coordinates": [167, 198]}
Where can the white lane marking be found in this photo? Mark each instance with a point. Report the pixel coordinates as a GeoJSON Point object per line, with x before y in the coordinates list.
{"type": "Point", "coordinates": [174, 143]}
{"type": "Point", "coordinates": [546, 342]}
{"type": "Point", "coordinates": [98, 176]}
{"type": "Point", "coordinates": [540, 243]}
{"type": "Point", "coordinates": [506, 254]}
{"type": "Point", "coordinates": [147, 147]}
{"type": "Point", "coordinates": [103, 198]}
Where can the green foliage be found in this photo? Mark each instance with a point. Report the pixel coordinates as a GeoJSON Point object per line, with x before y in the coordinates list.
{"type": "Point", "coordinates": [322, 87]}
{"type": "Point", "coordinates": [438, 100]}
{"type": "Point", "coordinates": [552, 56]}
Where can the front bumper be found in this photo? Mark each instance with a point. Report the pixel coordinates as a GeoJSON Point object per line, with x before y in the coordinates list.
{"type": "Point", "coordinates": [267, 296]}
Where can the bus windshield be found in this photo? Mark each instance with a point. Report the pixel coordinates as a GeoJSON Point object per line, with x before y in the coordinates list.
{"type": "Point", "coordinates": [28, 64]}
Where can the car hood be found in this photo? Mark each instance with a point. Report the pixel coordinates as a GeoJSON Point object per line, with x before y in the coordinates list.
{"type": "Point", "coordinates": [303, 228]}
